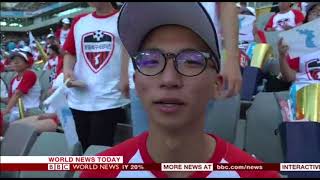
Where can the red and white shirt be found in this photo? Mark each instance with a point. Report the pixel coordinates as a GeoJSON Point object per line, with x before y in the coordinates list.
{"type": "Point", "coordinates": [55, 66]}
{"type": "Point", "coordinates": [291, 18]}
{"type": "Point", "coordinates": [95, 42]}
{"type": "Point", "coordinates": [29, 85]}
{"type": "Point", "coordinates": [307, 67]}
{"type": "Point", "coordinates": [62, 35]}
{"type": "Point", "coordinates": [135, 150]}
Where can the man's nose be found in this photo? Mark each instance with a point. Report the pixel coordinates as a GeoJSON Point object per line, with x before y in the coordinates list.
{"type": "Point", "coordinates": [170, 78]}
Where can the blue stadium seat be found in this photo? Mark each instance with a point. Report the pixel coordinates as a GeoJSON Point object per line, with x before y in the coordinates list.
{"type": "Point", "coordinates": [263, 118]}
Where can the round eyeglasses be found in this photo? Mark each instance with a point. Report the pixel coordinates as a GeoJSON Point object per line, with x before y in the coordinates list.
{"type": "Point", "coordinates": [187, 62]}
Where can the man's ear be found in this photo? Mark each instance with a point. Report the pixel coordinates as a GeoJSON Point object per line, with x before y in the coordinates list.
{"type": "Point", "coordinates": [134, 80]}
{"type": "Point", "coordinates": [218, 87]}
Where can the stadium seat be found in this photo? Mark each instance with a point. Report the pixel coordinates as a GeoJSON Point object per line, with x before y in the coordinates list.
{"type": "Point", "coordinates": [240, 133]}
{"type": "Point", "coordinates": [7, 77]}
{"type": "Point", "coordinates": [52, 144]}
{"type": "Point", "coordinates": [91, 151]}
{"type": "Point", "coordinates": [123, 132]}
{"type": "Point", "coordinates": [43, 77]}
{"type": "Point", "coordinates": [18, 140]}
{"type": "Point", "coordinates": [263, 118]}
{"type": "Point", "coordinates": [223, 118]}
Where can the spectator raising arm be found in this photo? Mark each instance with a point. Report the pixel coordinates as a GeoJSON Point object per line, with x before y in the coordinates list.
{"type": "Point", "coordinates": [287, 73]}
{"type": "Point", "coordinates": [124, 78]}
{"type": "Point", "coordinates": [231, 67]}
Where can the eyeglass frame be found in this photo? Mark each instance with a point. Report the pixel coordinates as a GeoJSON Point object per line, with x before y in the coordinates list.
{"type": "Point", "coordinates": [206, 55]}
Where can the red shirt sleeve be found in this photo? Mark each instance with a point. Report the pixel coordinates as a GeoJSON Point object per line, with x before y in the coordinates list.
{"type": "Point", "coordinates": [1, 67]}
{"type": "Point", "coordinates": [59, 66]}
{"type": "Point", "coordinates": [262, 37]}
{"type": "Point", "coordinates": [269, 23]}
{"type": "Point", "coordinates": [69, 45]}
{"type": "Point", "coordinates": [299, 17]}
{"type": "Point", "coordinates": [293, 63]}
{"type": "Point", "coordinates": [57, 33]}
{"type": "Point", "coordinates": [29, 79]}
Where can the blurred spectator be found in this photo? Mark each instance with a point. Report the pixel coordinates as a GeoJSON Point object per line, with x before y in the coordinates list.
{"type": "Point", "coordinates": [49, 120]}
{"type": "Point", "coordinates": [51, 39]}
{"type": "Point", "coordinates": [24, 85]}
{"type": "Point", "coordinates": [62, 33]}
{"type": "Point", "coordinates": [298, 69]}
{"type": "Point", "coordinates": [11, 46]}
{"type": "Point", "coordinates": [285, 19]}
{"type": "Point", "coordinates": [95, 56]}
{"type": "Point", "coordinates": [55, 62]}
{"type": "Point", "coordinates": [224, 17]}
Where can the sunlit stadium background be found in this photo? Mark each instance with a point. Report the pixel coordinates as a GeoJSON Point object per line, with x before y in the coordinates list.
{"type": "Point", "coordinates": [18, 18]}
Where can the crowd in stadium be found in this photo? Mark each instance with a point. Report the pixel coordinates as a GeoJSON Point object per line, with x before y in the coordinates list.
{"type": "Point", "coordinates": [111, 59]}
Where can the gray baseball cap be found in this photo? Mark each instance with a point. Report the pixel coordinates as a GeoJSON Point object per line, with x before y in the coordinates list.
{"type": "Point", "coordinates": [137, 19]}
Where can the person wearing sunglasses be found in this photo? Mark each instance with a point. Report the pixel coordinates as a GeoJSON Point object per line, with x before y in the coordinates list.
{"type": "Point", "coordinates": [177, 60]}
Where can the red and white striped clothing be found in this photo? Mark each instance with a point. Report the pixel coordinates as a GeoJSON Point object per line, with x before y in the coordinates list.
{"type": "Point", "coordinates": [291, 18]}
{"type": "Point", "coordinates": [55, 65]}
{"type": "Point", "coordinates": [307, 67]}
{"type": "Point", "coordinates": [135, 150]}
{"type": "Point", "coordinates": [29, 85]}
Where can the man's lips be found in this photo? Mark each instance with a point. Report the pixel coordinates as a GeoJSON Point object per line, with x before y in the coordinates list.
{"type": "Point", "coordinates": [169, 105]}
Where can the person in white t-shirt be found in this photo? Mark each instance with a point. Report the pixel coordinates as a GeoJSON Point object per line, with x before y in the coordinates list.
{"type": "Point", "coordinates": [48, 121]}
{"type": "Point", "coordinates": [62, 32]}
{"type": "Point", "coordinates": [305, 68]}
{"type": "Point", "coordinates": [285, 19]}
{"type": "Point", "coordinates": [94, 56]}
{"type": "Point", "coordinates": [24, 85]}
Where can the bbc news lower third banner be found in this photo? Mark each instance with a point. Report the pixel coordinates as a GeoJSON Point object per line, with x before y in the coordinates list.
{"type": "Point", "coordinates": [112, 163]}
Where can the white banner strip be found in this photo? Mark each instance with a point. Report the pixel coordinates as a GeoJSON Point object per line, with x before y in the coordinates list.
{"type": "Point", "coordinates": [186, 166]}
{"type": "Point", "coordinates": [299, 166]}
{"type": "Point", "coordinates": [60, 159]}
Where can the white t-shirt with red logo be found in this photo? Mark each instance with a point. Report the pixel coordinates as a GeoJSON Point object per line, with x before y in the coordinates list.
{"type": "Point", "coordinates": [309, 68]}
{"type": "Point", "coordinates": [135, 150]}
{"type": "Point", "coordinates": [291, 18]}
{"type": "Point", "coordinates": [96, 44]}
{"type": "Point", "coordinates": [29, 85]}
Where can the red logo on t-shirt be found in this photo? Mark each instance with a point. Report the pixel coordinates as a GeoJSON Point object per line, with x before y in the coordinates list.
{"type": "Point", "coordinates": [97, 48]}
{"type": "Point", "coordinates": [313, 69]}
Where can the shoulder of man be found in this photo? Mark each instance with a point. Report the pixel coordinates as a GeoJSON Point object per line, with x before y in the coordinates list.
{"type": "Point", "coordinates": [236, 155]}
{"type": "Point", "coordinates": [127, 149]}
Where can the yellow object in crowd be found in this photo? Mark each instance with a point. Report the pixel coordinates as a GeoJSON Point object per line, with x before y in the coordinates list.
{"type": "Point", "coordinates": [21, 108]}
{"type": "Point", "coordinates": [308, 103]}
{"type": "Point", "coordinates": [43, 54]}
{"type": "Point", "coordinates": [261, 53]}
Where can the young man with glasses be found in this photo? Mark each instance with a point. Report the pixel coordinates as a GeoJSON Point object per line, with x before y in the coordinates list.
{"type": "Point", "coordinates": [176, 59]}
